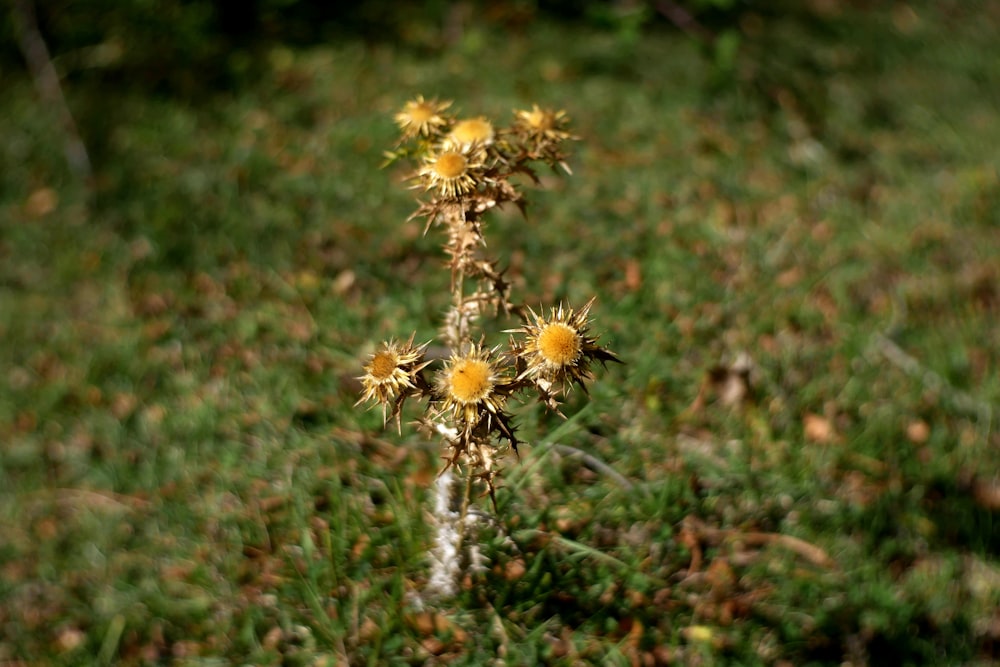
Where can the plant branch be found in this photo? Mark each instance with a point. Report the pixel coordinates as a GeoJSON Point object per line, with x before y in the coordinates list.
{"type": "Point", "coordinates": [36, 55]}
{"type": "Point", "coordinates": [594, 464]}
{"type": "Point", "coordinates": [683, 19]}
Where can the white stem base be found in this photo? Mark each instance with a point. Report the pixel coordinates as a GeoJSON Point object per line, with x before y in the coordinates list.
{"type": "Point", "coordinates": [445, 557]}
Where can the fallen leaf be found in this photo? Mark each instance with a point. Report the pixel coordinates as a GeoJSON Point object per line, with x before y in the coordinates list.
{"type": "Point", "coordinates": [789, 277]}
{"type": "Point", "coordinates": [123, 405]}
{"type": "Point", "coordinates": [918, 431]}
{"type": "Point", "coordinates": [41, 202]}
{"type": "Point", "coordinates": [429, 623]}
{"type": "Point", "coordinates": [818, 429]}
{"type": "Point", "coordinates": [369, 630]}
{"type": "Point", "coordinates": [70, 639]}
{"type": "Point", "coordinates": [359, 547]}
{"type": "Point", "coordinates": [272, 638]}
{"type": "Point", "coordinates": [729, 383]}
{"type": "Point", "coordinates": [633, 275]}
{"type": "Point", "coordinates": [720, 577]}
{"type": "Point", "coordinates": [343, 282]}
{"type": "Point", "coordinates": [986, 493]}
{"type": "Point", "coordinates": [515, 569]}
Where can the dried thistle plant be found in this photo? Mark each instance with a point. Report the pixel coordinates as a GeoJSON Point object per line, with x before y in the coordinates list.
{"type": "Point", "coordinates": [466, 167]}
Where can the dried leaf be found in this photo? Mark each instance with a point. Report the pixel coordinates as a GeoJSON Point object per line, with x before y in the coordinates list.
{"type": "Point", "coordinates": [986, 493]}
{"type": "Point", "coordinates": [918, 432]}
{"type": "Point", "coordinates": [41, 202]}
{"type": "Point", "coordinates": [431, 624]}
{"type": "Point", "coordinates": [633, 275]}
{"type": "Point", "coordinates": [818, 429]}
{"type": "Point", "coordinates": [514, 569]}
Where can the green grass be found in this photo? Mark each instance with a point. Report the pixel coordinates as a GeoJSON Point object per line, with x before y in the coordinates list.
{"type": "Point", "coordinates": [186, 480]}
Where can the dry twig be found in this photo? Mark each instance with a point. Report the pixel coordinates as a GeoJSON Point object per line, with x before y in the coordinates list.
{"type": "Point", "coordinates": [46, 79]}
{"type": "Point", "coordinates": [716, 536]}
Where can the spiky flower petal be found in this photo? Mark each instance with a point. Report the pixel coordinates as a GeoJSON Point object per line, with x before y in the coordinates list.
{"type": "Point", "coordinates": [420, 117]}
{"type": "Point", "coordinates": [474, 389]}
{"type": "Point", "coordinates": [454, 170]}
{"type": "Point", "coordinates": [541, 124]}
{"type": "Point", "coordinates": [557, 352]}
{"type": "Point", "coordinates": [392, 374]}
{"type": "Point", "coordinates": [472, 131]}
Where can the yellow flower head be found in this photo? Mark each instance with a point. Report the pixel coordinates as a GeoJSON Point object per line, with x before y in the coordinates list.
{"type": "Point", "coordinates": [472, 131]}
{"type": "Point", "coordinates": [557, 349]}
{"type": "Point", "coordinates": [453, 170]}
{"type": "Point", "coordinates": [471, 386]}
{"type": "Point", "coordinates": [421, 117]}
{"type": "Point", "coordinates": [392, 373]}
{"type": "Point", "coordinates": [559, 344]}
{"type": "Point", "coordinates": [541, 124]}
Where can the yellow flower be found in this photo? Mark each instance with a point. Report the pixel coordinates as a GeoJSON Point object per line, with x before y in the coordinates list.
{"type": "Point", "coordinates": [559, 344]}
{"type": "Point", "coordinates": [557, 350]}
{"type": "Point", "coordinates": [421, 117]}
{"type": "Point", "coordinates": [542, 125]}
{"type": "Point", "coordinates": [472, 131]}
{"type": "Point", "coordinates": [392, 374]}
{"type": "Point", "coordinates": [453, 170]}
{"type": "Point", "coordinates": [472, 387]}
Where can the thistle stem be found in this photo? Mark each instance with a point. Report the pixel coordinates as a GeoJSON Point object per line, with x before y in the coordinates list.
{"type": "Point", "coordinates": [446, 554]}
{"type": "Point", "coordinates": [448, 559]}
{"type": "Point", "coordinates": [464, 510]}
{"type": "Point", "coordinates": [463, 338]}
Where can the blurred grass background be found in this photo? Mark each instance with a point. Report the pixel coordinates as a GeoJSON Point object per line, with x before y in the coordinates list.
{"type": "Point", "coordinates": [789, 212]}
